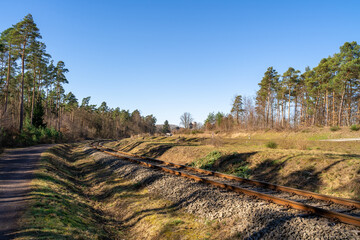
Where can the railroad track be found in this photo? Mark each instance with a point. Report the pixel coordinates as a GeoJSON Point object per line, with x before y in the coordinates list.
{"type": "Point", "coordinates": [337, 209]}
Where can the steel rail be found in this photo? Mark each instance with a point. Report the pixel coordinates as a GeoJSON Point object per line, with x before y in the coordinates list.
{"type": "Point", "coordinates": [342, 201]}
{"type": "Point", "coordinates": [284, 202]}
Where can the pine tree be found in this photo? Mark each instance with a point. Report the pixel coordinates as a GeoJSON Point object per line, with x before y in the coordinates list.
{"type": "Point", "coordinates": [290, 80]}
{"type": "Point", "coordinates": [265, 93]}
{"type": "Point", "coordinates": [166, 127]}
{"type": "Point", "coordinates": [60, 79]}
{"type": "Point", "coordinates": [237, 108]}
{"type": "Point", "coordinates": [38, 116]}
{"type": "Point", "coordinates": [7, 42]}
{"type": "Point", "coordinates": [26, 32]}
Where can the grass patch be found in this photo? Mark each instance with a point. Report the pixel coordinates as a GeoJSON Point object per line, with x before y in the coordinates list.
{"type": "Point", "coordinates": [272, 145]}
{"type": "Point", "coordinates": [319, 137]}
{"type": "Point", "coordinates": [78, 197]}
{"type": "Point", "coordinates": [208, 161]}
{"type": "Point", "coordinates": [354, 127]}
{"type": "Point", "coordinates": [334, 128]}
{"type": "Point", "coordinates": [242, 171]}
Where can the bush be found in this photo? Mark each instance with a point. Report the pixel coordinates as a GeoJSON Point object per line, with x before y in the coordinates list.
{"type": "Point", "coordinates": [334, 128]}
{"type": "Point", "coordinates": [354, 127]}
{"type": "Point", "coordinates": [272, 145]}
{"type": "Point", "coordinates": [208, 161]}
{"type": "Point", "coordinates": [243, 171]}
{"type": "Point", "coordinates": [196, 131]}
{"type": "Point", "coordinates": [30, 135]}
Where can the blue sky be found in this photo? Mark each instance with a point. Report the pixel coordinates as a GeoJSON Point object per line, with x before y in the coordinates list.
{"type": "Point", "coordinates": [170, 57]}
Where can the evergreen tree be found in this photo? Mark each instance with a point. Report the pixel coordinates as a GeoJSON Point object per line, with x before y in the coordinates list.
{"type": "Point", "coordinates": [166, 127]}
{"type": "Point", "coordinates": [290, 80]}
{"type": "Point", "coordinates": [7, 48]}
{"type": "Point", "coordinates": [60, 79]}
{"type": "Point", "coordinates": [26, 32]}
{"type": "Point", "coordinates": [38, 116]}
{"type": "Point", "coordinates": [237, 108]}
{"type": "Point", "coordinates": [265, 93]}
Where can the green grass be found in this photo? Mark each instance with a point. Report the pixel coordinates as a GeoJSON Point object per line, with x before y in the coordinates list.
{"type": "Point", "coordinates": [319, 137]}
{"type": "Point", "coordinates": [354, 127]}
{"type": "Point", "coordinates": [334, 128]}
{"type": "Point", "coordinates": [272, 145]}
{"type": "Point", "coordinates": [208, 161]}
{"type": "Point", "coordinates": [243, 171]}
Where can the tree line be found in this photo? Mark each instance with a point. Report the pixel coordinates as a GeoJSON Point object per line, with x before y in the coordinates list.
{"type": "Point", "coordinates": [32, 95]}
{"type": "Point", "coordinates": [326, 95]}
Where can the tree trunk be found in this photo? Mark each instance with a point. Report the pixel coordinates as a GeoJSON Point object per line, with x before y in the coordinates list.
{"type": "Point", "coordinates": [283, 112]}
{"type": "Point", "coordinates": [327, 107]}
{"type": "Point", "coordinates": [278, 112]}
{"type": "Point", "coordinates": [302, 109]}
{"type": "Point", "coordinates": [58, 109]}
{"type": "Point", "coordinates": [315, 110]}
{"type": "Point", "coordinates": [7, 82]}
{"type": "Point", "coordinates": [295, 111]}
{"type": "Point", "coordinates": [267, 108]}
{"type": "Point", "coordinates": [60, 118]}
{"type": "Point", "coordinates": [33, 98]}
{"type": "Point", "coordinates": [289, 106]}
{"type": "Point", "coordinates": [21, 117]}
{"type": "Point", "coordinates": [333, 108]}
{"type": "Point", "coordinates": [39, 85]}
{"type": "Point", "coordinates": [349, 105]}
{"type": "Point", "coordinates": [358, 111]}
{"type": "Point", "coordinates": [341, 106]}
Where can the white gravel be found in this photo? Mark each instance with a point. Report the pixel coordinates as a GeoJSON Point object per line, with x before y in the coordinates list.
{"type": "Point", "coordinates": [251, 218]}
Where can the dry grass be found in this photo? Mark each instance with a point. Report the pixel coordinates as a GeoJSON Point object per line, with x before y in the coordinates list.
{"type": "Point", "coordinates": [76, 197]}
{"type": "Point", "coordinates": [299, 160]}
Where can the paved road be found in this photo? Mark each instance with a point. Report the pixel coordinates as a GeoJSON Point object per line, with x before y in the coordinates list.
{"type": "Point", "coordinates": [16, 168]}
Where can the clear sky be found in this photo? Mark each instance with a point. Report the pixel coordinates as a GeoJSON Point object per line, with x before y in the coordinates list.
{"type": "Point", "coordinates": [170, 57]}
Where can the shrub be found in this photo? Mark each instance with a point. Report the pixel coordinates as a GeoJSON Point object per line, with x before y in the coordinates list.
{"type": "Point", "coordinates": [208, 161]}
{"type": "Point", "coordinates": [196, 131]}
{"type": "Point", "coordinates": [272, 145]}
{"type": "Point", "coordinates": [243, 171]}
{"type": "Point", "coordinates": [334, 128]}
{"type": "Point", "coordinates": [354, 127]}
{"type": "Point", "coordinates": [31, 135]}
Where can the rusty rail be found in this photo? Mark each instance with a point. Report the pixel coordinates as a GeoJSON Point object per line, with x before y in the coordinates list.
{"type": "Point", "coordinates": [284, 202]}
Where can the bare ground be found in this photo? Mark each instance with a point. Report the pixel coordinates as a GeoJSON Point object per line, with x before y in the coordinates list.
{"type": "Point", "coordinates": [342, 140]}
{"type": "Point", "coordinates": [16, 170]}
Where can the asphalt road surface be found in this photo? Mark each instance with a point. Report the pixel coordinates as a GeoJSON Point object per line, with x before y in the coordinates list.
{"type": "Point", "coordinates": [16, 171]}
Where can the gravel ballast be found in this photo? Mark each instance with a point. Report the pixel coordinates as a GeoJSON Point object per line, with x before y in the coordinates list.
{"type": "Point", "coordinates": [249, 218]}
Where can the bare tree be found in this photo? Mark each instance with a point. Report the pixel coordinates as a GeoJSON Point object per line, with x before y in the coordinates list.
{"type": "Point", "coordinates": [186, 119]}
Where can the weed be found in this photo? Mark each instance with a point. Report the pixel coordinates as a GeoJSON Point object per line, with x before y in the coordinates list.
{"type": "Point", "coordinates": [354, 127]}
{"type": "Point", "coordinates": [177, 222]}
{"type": "Point", "coordinates": [319, 137]}
{"type": "Point", "coordinates": [243, 171]}
{"type": "Point", "coordinates": [208, 161]}
{"type": "Point", "coordinates": [196, 131]}
{"type": "Point", "coordinates": [334, 128]}
{"type": "Point", "coordinates": [272, 145]}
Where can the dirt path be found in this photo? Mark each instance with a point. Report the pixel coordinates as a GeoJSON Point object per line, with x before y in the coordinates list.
{"type": "Point", "coordinates": [16, 168]}
{"type": "Point", "coordinates": [341, 140]}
